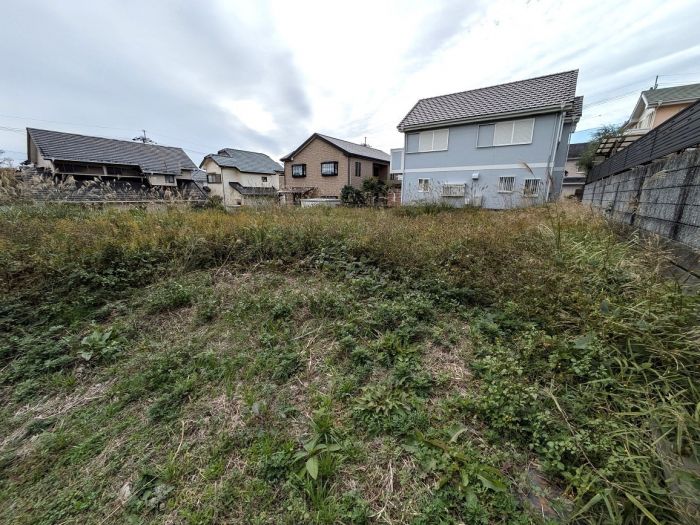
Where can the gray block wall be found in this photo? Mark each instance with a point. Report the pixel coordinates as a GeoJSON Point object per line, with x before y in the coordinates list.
{"type": "Point", "coordinates": [662, 197]}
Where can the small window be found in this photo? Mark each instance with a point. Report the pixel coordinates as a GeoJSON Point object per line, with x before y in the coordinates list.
{"type": "Point", "coordinates": [506, 184]}
{"type": "Point", "coordinates": [329, 169]}
{"type": "Point", "coordinates": [532, 188]}
{"type": "Point", "coordinates": [214, 178]}
{"type": "Point", "coordinates": [114, 170]}
{"type": "Point", "coordinates": [170, 179]}
{"type": "Point", "coordinates": [298, 170]}
{"type": "Point", "coordinates": [376, 170]}
{"type": "Point", "coordinates": [358, 169]}
{"type": "Point", "coordinates": [264, 179]}
{"type": "Point", "coordinates": [423, 185]}
{"type": "Point", "coordinates": [435, 140]}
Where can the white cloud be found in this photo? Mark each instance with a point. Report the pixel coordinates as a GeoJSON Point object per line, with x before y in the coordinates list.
{"type": "Point", "coordinates": [251, 113]}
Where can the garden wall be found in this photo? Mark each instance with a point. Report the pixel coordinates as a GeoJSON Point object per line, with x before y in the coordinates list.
{"type": "Point", "coordinates": [662, 197]}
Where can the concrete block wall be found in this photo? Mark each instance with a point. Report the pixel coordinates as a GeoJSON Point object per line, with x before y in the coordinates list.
{"type": "Point", "coordinates": [662, 197]}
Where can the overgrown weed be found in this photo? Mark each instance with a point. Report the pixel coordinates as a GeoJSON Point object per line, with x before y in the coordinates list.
{"type": "Point", "coordinates": [239, 347]}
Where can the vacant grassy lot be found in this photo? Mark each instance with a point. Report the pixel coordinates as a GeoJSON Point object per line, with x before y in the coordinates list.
{"type": "Point", "coordinates": [341, 366]}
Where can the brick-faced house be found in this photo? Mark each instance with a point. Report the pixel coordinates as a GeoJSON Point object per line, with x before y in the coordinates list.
{"type": "Point", "coordinates": [321, 166]}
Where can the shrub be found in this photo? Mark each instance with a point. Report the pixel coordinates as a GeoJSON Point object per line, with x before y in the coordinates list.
{"type": "Point", "coordinates": [351, 196]}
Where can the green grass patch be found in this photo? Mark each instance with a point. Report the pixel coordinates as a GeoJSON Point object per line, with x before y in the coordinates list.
{"type": "Point", "coordinates": [420, 365]}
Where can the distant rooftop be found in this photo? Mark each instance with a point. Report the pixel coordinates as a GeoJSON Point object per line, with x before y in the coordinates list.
{"type": "Point", "coordinates": [672, 94]}
{"type": "Point", "coordinates": [245, 161]}
{"type": "Point", "coordinates": [575, 150]}
{"type": "Point", "coordinates": [71, 147]}
{"type": "Point", "coordinates": [350, 148]}
{"type": "Point", "coordinates": [520, 96]}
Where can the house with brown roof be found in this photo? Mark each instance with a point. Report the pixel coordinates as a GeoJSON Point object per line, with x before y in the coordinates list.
{"type": "Point", "coordinates": [321, 166]}
{"type": "Point", "coordinates": [242, 178]}
{"type": "Point", "coordinates": [501, 146]}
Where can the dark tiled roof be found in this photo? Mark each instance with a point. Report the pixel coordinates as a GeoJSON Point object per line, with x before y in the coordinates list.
{"type": "Point", "coordinates": [350, 148]}
{"type": "Point", "coordinates": [253, 190]}
{"type": "Point", "coordinates": [574, 179]}
{"type": "Point", "coordinates": [150, 158]}
{"type": "Point", "coordinates": [672, 94]}
{"type": "Point", "coordinates": [246, 161]}
{"type": "Point", "coordinates": [577, 110]}
{"type": "Point", "coordinates": [199, 176]}
{"type": "Point", "coordinates": [357, 150]}
{"type": "Point", "coordinates": [575, 150]}
{"type": "Point", "coordinates": [524, 95]}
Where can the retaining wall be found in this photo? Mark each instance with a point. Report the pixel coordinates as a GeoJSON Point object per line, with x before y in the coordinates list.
{"type": "Point", "coordinates": [662, 197]}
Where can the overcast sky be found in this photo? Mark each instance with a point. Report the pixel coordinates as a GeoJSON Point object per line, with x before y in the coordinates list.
{"type": "Point", "coordinates": [264, 75]}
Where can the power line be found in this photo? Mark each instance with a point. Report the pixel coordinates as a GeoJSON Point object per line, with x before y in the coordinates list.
{"type": "Point", "coordinates": [20, 130]}
{"type": "Point", "coordinates": [605, 100]}
{"type": "Point", "coordinates": [64, 122]}
{"type": "Point", "coordinates": [13, 130]}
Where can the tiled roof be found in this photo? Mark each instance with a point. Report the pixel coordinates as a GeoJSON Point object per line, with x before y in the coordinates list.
{"type": "Point", "coordinates": [253, 190]}
{"type": "Point", "coordinates": [350, 148]}
{"type": "Point", "coordinates": [575, 150]}
{"type": "Point", "coordinates": [577, 110]}
{"type": "Point", "coordinates": [245, 161]}
{"type": "Point", "coordinates": [199, 176]}
{"type": "Point", "coordinates": [357, 149]}
{"type": "Point", "coordinates": [521, 96]}
{"type": "Point", "coordinates": [150, 158]}
{"type": "Point", "coordinates": [672, 94]}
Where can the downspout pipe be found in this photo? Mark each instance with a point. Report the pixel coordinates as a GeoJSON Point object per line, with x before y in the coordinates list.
{"type": "Point", "coordinates": [552, 153]}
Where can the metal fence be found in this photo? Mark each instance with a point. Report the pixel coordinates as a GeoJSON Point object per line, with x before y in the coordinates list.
{"type": "Point", "coordinates": [677, 133]}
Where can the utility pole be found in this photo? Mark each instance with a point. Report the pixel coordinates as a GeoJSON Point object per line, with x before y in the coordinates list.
{"type": "Point", "coordinates": [143, 138]}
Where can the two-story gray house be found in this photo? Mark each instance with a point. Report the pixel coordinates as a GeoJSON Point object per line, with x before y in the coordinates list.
{"type": "Point", "coordinates": [497, 147]}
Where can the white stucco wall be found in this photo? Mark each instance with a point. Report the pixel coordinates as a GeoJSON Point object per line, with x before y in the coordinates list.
{"type": "Point", "coordinates": [230, 197]}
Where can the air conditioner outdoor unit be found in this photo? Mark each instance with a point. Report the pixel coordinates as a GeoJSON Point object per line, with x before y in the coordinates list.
{"type": "Point", "coordinates": [453, 190]}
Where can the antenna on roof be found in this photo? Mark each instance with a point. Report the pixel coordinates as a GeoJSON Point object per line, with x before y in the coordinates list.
{"type": "Point", "coordinates": [365, 143]}
{"type": "Point", "coordinates": [143, 138]}
{"type": "Point", "coordinates": [656, 82]}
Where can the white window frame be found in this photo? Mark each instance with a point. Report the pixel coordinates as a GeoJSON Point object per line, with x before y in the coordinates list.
{"type": "Point", "coordinates": [512, 132]}
{"type": "Point", "coordinates": [537, 192]}
{"type": "Point", "coordinates": [422, 182]}
{"type": "Point", "coordinates": [431, 134]}
{"type": "Point", "coordinates": [501, 185]}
